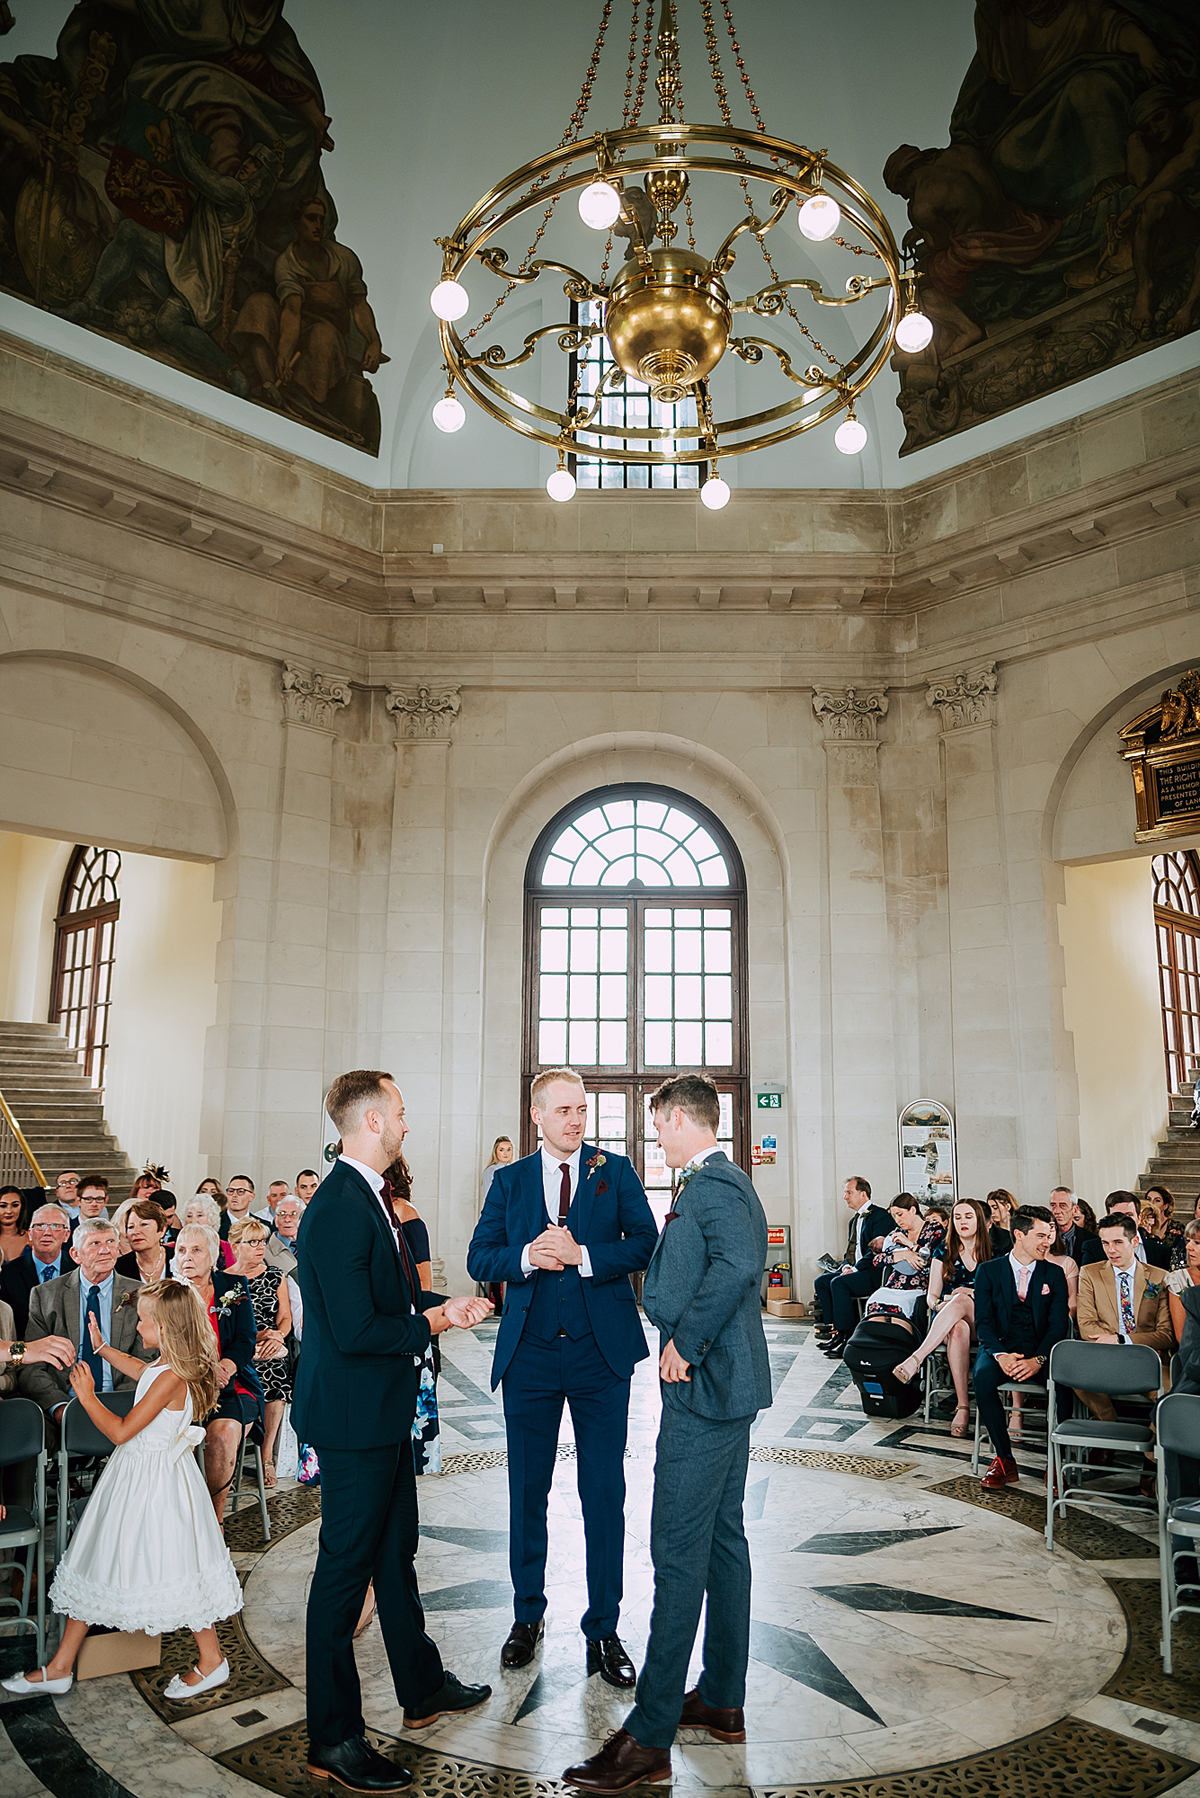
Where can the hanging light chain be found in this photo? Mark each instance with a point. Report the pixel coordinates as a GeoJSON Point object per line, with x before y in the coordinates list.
{"type": "Point", "coordinates": [718, 76]}
{"type": "Point", "coordinates": [570, 135]}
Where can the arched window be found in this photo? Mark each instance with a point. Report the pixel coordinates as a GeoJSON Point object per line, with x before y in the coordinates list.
{"type": "Point", "coordinates": [84, 950]}
{"type": "Point", "coordinates": [635, 965]}
{"type": "Point", "coordinates": [1177, 920]}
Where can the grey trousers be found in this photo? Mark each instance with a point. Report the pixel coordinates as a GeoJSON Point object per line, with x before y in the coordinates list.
{"type": "Point", "coordinates": [698, 1547]}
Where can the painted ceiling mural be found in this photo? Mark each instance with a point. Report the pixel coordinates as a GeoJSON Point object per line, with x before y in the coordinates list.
{"type": "Point", "coordinates": [1059, 232]}
{"type": "Point", "coordinates": [161, 183]}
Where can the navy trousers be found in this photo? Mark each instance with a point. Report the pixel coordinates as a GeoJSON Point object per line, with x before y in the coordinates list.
{"type": "Point", "coordinates": [540, 1376]}
{"type": "Point", "coordinates": [988, 1375]}
{"type": "Point", "coordinates": [699, 1550]}
{"type": "Point", "coordinates": [837, 1293]}
{"type": "Point", "coordinates": [369, 1532]}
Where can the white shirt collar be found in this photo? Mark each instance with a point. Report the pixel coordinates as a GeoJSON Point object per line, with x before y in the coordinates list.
{"type": "Point", "coordinates": [705, 1155]}
{"type": "Point", "coordinates": [1131, 1270]}
{"type": "Point", "coordinates": [373, 1180]}
{"type": "Point", "coordinates": [1020, 1267]}
{"type": "Point", "coordinates": [553, 1163]}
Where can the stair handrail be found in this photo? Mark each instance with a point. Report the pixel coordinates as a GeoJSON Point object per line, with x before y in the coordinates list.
{"type": "Point", "coordinates": [22, 1144]}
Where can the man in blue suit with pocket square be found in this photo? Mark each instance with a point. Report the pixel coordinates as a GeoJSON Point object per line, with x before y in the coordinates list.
{"type": "Point", "coordinates": [1021, 1311]}
{"type": "Point", "coordinates": [702, 1291]}
{"type": "Point", "coordinates": [564, 1228]}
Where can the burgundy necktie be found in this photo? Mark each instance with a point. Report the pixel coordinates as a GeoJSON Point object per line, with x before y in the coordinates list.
{"type": "Point", "coordinates": [401, 1245]}
{"type": "Point", "coordinates": [564, 1194]}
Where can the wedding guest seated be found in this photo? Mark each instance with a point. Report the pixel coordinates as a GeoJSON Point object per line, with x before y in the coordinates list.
{"type": "Point", "coordinates": [1158, 1221]}
{"type": "Point", "coordinates": [14, 1223]}
{"type": "Point", "coordinates": [287, 1221]}
{"type": "Point", "coordinates": [1057, 1254]}
{"type": "Point", "coordinates": [307, 1182]}
{"type": "Point", "coordinates": [1001, 1205]}
{"type": "Point", "coordinates": [1123, 1301]}
{"type": "Point", "coordinates": [45, 1259]}
{"type": "Point", "coordinates": [168, 1205]}
{"type": "Point", "coordinates": [152, 1179]}
{"type": "Point", "coordinates": [204, 1210]}
{"type": "Point", "coordinates": [231, 1314]}
{"type": "Point", "coordinates": [146, 1233]}
{"type": "Point", "coordinates": [952, 1299]}
{"type": "Point", "coordinates": [93, 1197]}
{"type": "Point", "coordinates": [268, 1289]}
{"type": "Point", "coordinates": [906, 1257]}
{"type": "Point", "coordinates": [860, 1272]}
{"type": "Point", "coordinates": [1079, 1240]}
{"type": "Point", "coordinates": [1146, 1247]}
{"type": "Point", "coordinates": [1182, 1279]}
{"type": "Point", "coordinates": [62, 1309]}
{"type": "Point", "coordinates": [1020, 1313]}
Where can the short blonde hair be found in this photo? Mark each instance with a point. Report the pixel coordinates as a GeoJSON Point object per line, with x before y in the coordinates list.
{"type": "Point", "coordinates": [206, 1205]}
{"type": "Point", "coordinates": [546, 1079]}
{"type": "Point", "coordinates": [248, 1229]}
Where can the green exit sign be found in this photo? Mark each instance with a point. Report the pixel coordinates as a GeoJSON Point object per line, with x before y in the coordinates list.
{"type": "Point", "coordinates": [769, 1101]}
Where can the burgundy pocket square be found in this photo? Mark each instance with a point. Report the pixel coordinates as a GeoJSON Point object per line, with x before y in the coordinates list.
{"type": "Point", "coordinates": [603, 1187]}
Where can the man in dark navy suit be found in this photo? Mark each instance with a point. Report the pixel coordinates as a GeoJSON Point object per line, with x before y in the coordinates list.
{"type": "Point", "coordinates": [565, 1228]}
{"type": "Point", "coordinates": [44, 1260]}
{"type": "Point", "coordinates": [1021, 1311]}
{"type": "Point", "coordinates": [367, 1325]}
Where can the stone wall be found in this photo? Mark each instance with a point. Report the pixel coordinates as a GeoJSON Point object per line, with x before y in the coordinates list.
{"type": "Point", "coordinates": [902, 705]}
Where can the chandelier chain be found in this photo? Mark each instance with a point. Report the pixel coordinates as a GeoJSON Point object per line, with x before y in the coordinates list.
{"type": "Point", "coordinates": [718, 76]}
{"type": "Point", "coordinates": [570, 135]}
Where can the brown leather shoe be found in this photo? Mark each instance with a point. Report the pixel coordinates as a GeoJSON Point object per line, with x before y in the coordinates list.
{"type": "Point", "coordinates": [1001, 1473]}
{"type": "Point", "coordinates": [620, 1764]}
{"type": "Point", "coordinates": [726, 1725]}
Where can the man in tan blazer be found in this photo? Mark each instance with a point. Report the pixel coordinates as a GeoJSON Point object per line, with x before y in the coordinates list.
{"type": "Point", "coordinates": [60, 1307]}
{"type": "Point", "coordinates": [1122, 1299]}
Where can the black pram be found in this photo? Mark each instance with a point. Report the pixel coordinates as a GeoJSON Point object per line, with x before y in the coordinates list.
{"type": "Point", "coordinates": [879, 1344]}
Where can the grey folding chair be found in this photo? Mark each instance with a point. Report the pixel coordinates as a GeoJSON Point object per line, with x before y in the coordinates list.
{"type": "Point", "coordinates": [1177, 1426]}
{"type": "Point", "coordinates": [1120, 1370]}
{"type": "Point", "coordinates": [23, 1438]}
{"type": "Point", "coordinates": [1006, 1390]}
{"type": "Point", "coordinates": [79, 1438]}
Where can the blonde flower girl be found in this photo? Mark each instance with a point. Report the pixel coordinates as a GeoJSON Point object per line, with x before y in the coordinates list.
{"type": "Point", "coordinates": [148, 1553]}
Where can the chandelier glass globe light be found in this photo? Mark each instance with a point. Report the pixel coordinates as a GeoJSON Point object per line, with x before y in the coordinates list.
{"type": "Point", "coordinates": [449, 414]}
{"type": "Point", "coordinates": [679, 204]}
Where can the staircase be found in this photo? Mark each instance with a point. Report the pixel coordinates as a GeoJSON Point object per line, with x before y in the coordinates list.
{"type": "Point", "coordinates": [58, 1109]}
{"type": "Point", "coordinates": [1177, 1163]}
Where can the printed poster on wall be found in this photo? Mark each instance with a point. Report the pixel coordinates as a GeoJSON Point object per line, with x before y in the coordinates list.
{"type": "Point", "coordinates": [926, 1143]}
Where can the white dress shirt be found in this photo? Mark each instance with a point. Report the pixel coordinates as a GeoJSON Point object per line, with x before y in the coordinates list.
{"type": "Point", "coordinates": [551, 1187]}
{"type": "Point", "coordinates": [1025, 1268]}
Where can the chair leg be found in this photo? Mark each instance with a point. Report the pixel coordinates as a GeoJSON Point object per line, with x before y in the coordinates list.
{"type": "Point", "coordinates": [1053, 1463]}
{"type": "Point", "coordinates": [262, 1494]}
{"type": "Point", "coordinates": [1166, 1583]}
{"type": "Point", "coordinates": [975, 1450]}
{"type": "Point", "coordinates": [40, 1559]}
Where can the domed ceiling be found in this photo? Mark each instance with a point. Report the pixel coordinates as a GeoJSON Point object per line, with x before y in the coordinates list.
{"type": "Point", "coordinates": [136, 207]}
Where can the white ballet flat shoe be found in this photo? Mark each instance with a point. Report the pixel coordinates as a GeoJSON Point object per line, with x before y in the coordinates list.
{"type": "Point", "coordinates": [28, 1688]}
{"type": "Point", "coordinates": [179, 1690]}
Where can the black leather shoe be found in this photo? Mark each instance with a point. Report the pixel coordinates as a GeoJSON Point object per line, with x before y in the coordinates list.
{"type": "Point", "coordinates": [451, 1696]}
{"type": "Point", "coordinates": [355, 1765]}
{"type": "Point", "coordinates": [610, 1661]}
{"type": "Point", "coordinates": [521, 1646]}
{"type": "Point", "coordinates": [833, 1349]}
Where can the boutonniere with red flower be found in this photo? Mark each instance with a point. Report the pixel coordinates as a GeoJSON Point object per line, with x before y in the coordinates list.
{"type": "Point", "coordinates": [597, 1161]}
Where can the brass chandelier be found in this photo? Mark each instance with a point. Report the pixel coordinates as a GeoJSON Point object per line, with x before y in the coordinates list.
{"type": "Point", "coordinates": [667, 314]}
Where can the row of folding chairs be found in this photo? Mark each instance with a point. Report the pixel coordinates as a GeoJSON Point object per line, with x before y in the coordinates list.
{"type": "Point", "coordinates": [23, 1438]}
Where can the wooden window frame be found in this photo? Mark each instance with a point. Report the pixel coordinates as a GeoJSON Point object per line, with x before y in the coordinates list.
{"type": "Point", "coordinates": [70, 923]}
{"type": "Point", "coordinates": [1181, 1024]}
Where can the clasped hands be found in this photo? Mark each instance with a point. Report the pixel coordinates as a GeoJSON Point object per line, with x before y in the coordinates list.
{"type": "Point", "coordinates": [555, 1249]}
{"type": "Point", "coordinates": [1019, 1367]}
{"type": "Point", "coordinates": [462, 1314]}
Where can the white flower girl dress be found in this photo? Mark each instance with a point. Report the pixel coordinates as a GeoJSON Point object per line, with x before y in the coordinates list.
{"type": "Point", "coordinates": [148, 1553]}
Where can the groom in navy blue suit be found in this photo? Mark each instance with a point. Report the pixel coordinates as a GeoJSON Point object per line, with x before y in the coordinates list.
{"type": "Point", "coordinates": [564, 1228]}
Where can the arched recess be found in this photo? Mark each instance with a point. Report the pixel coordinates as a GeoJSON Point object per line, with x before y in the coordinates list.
{"type": "Point", "coordinates": [95, 753]}
{"type": "Point", "coordinates": [559, 781]}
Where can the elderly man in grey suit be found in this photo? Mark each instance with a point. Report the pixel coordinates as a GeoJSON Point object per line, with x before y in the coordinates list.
{"type": "Point", "coordinates": [701, 1290]}
{"type": "Point", "coordinates": [64, 1306]}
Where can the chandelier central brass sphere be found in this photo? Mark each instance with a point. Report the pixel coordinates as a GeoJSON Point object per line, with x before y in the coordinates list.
{"type": "Point", "coordinates": [667, 314]}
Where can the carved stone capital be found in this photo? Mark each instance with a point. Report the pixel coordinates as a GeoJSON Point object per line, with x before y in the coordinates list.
{"type": "Point", "coordinates": [966, 697]}
{"type": "Point", "coordinates": [850, 714]}
{"type": "Point", "coordinates": [311, 697]}
{"type": "Point", "coordinates": [423, 714]}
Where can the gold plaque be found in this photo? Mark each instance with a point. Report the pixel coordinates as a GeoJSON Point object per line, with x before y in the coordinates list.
{"type": "Point", "coordinates": [1162, 747]}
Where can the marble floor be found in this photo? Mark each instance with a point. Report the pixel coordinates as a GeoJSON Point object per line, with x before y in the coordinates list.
{"type": "Point", "coordinates": [895, 1627]}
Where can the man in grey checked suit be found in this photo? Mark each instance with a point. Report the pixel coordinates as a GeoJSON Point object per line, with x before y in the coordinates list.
{"type": "Point", "coordinates": [701, 1290]}
{"type": "Point", "coordinates": [61, 1308]}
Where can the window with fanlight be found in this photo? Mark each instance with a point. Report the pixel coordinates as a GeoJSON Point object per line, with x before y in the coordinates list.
{"type": "Point", "coordinates": [635, 965]}
{"type": "Point", "coordinates": [1177, 925]}
{"type": "Point", "coordinates": [85, 941]}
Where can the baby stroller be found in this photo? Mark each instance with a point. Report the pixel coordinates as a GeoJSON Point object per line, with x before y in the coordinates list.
{"type": "Point", "coordinates": [879, 1343]}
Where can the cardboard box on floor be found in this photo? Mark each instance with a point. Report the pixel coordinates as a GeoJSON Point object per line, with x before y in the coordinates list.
{"type": "Point", "coordinates": [117, 1651]}
{"type": "Point", "coordinates": [784, 1308]}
